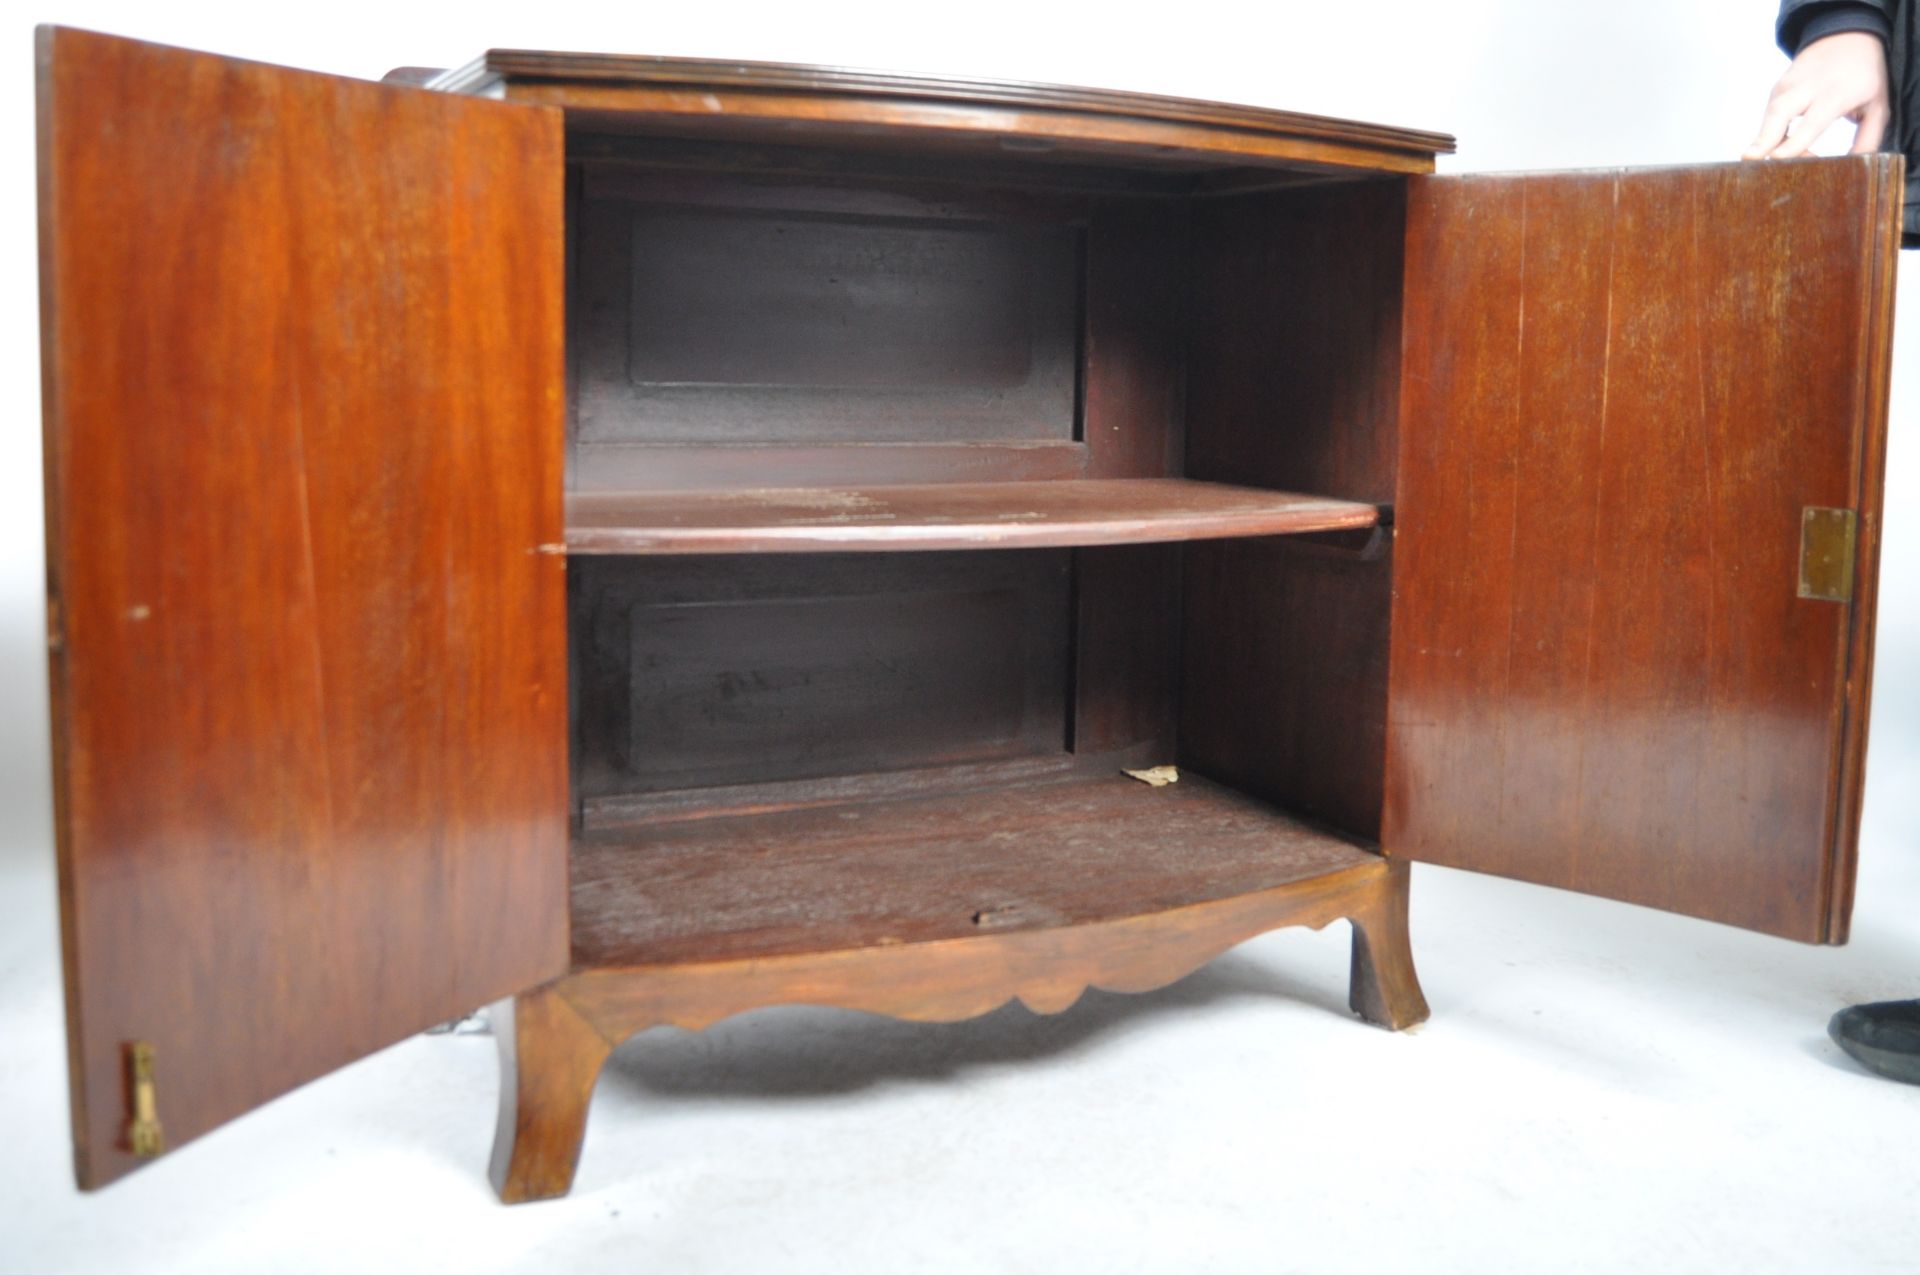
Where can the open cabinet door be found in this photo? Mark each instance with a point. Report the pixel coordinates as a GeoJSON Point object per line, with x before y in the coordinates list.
{"type": "Point", "coordinates": [303, 406]}
{"type": "Point", "coordinates": [1643, 419]}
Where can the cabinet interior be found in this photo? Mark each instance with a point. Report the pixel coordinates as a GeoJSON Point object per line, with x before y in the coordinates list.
{"type": "Point", "coordinates": [909, 505]}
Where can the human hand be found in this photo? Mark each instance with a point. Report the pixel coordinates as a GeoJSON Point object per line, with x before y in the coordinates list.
{"type": "Point", "coordinates": [1841, 76]}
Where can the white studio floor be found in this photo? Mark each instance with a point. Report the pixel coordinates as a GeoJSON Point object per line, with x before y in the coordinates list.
{"type": "Point", "coordinates": [1601, 1088]}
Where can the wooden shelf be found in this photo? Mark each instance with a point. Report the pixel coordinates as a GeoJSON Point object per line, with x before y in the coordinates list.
{"type": "Point", "coordinates": [919, 870]}
{"type": "Point", "coordinates": [1008, 515]}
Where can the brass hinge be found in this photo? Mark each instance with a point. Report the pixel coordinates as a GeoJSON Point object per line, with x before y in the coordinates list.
{"type": "Point", "coordinates": [144, 1137]}
{"type": "Point", "coordinates": [1827, 538]}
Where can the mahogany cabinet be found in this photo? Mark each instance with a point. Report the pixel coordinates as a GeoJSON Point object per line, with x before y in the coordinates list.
{"type": "Point", "coordinates": [642, 539]}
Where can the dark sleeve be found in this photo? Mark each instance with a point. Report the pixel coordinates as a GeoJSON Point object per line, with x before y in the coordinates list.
{"type": "Point", "coordinates": [1801, 22]}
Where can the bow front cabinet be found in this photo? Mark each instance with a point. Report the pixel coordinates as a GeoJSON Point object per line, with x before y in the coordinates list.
{"type": "Point", "coordinates": [640, 539]}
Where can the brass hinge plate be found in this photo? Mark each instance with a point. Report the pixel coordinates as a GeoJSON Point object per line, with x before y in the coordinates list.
{"type": "Point", "coordinates": [1827, 538]}
{"type": "Point", "coordinates": [144, 1136]}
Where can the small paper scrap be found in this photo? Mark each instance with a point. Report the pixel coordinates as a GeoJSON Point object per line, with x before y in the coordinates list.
{"type": "Point", "coordinates": [1156, 776]}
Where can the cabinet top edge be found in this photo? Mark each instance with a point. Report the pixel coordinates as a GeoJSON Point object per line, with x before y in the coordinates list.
{"type": "Point", "coordinates": [498, 70]}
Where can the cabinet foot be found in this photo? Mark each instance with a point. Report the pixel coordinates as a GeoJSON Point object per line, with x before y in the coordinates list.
{"type": "Point", "coordinates": [550, 1058]}
{"type": "Point", "coordinates": [1384, 989]}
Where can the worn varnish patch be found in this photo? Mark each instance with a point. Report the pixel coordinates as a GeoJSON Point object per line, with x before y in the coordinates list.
{"type": "Point", "coordinates": [932, 868]}
{"type": "Point", "coordinates": [944, 516]}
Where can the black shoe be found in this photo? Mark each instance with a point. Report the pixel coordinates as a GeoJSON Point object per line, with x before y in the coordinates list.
{"type": "Point", "coordinates": [1883, 1038]}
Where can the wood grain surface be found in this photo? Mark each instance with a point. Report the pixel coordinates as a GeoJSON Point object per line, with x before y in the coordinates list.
{"type": "Point", "coordinates": [787, 102]}
{"type": "Point", "coordinates": [920, 869]}
{"type": "Point", "coordinates": [1010, 515]}
{"type": "Point", "coordinates": [1126, 649]}
{"type": "Point", "coordinates": [1294, 382]}
{"type": "Point", "coordinates": [1621, 390]}
{"type": "Point", "coordinates": [303, 439]}
{"type": "Point", "coordinates": [1284, 674]}
{"type": "Point", "coordinates": [831, 328]}
{"type": "Point", "coordinates": [728, 310]}
{"type": "Point", "coordinates": [1134, 351]}
{"type": "Point", "coordinates": [625, 467]}
{"type": "Point", "coordinates": [708, 673]}
{"type": "Point", "coordinates": [555, 1039]}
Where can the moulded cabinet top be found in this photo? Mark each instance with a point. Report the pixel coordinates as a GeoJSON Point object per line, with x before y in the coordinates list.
{"type": "Point", "coordinates": [773, 103]}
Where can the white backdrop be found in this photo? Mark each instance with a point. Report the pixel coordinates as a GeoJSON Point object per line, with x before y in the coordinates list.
{"type": "Point", "coordinates": [1521, 83]}
{"type": "Point", "coordinates": [1601, 1088]}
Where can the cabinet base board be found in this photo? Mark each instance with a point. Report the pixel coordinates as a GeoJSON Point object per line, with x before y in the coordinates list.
{"type": "Point", "coordinates": [554, 1039]}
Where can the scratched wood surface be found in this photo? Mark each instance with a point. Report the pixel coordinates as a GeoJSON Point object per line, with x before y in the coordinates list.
{"type": "Point", "coordinates": [1620, 391]}
{"type": "Point", "coordinates": [309, 680]}
{"type": "Point", "coordinates": [1012, 515]}
{"type": "Point", "coordinates": [928, 868]}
